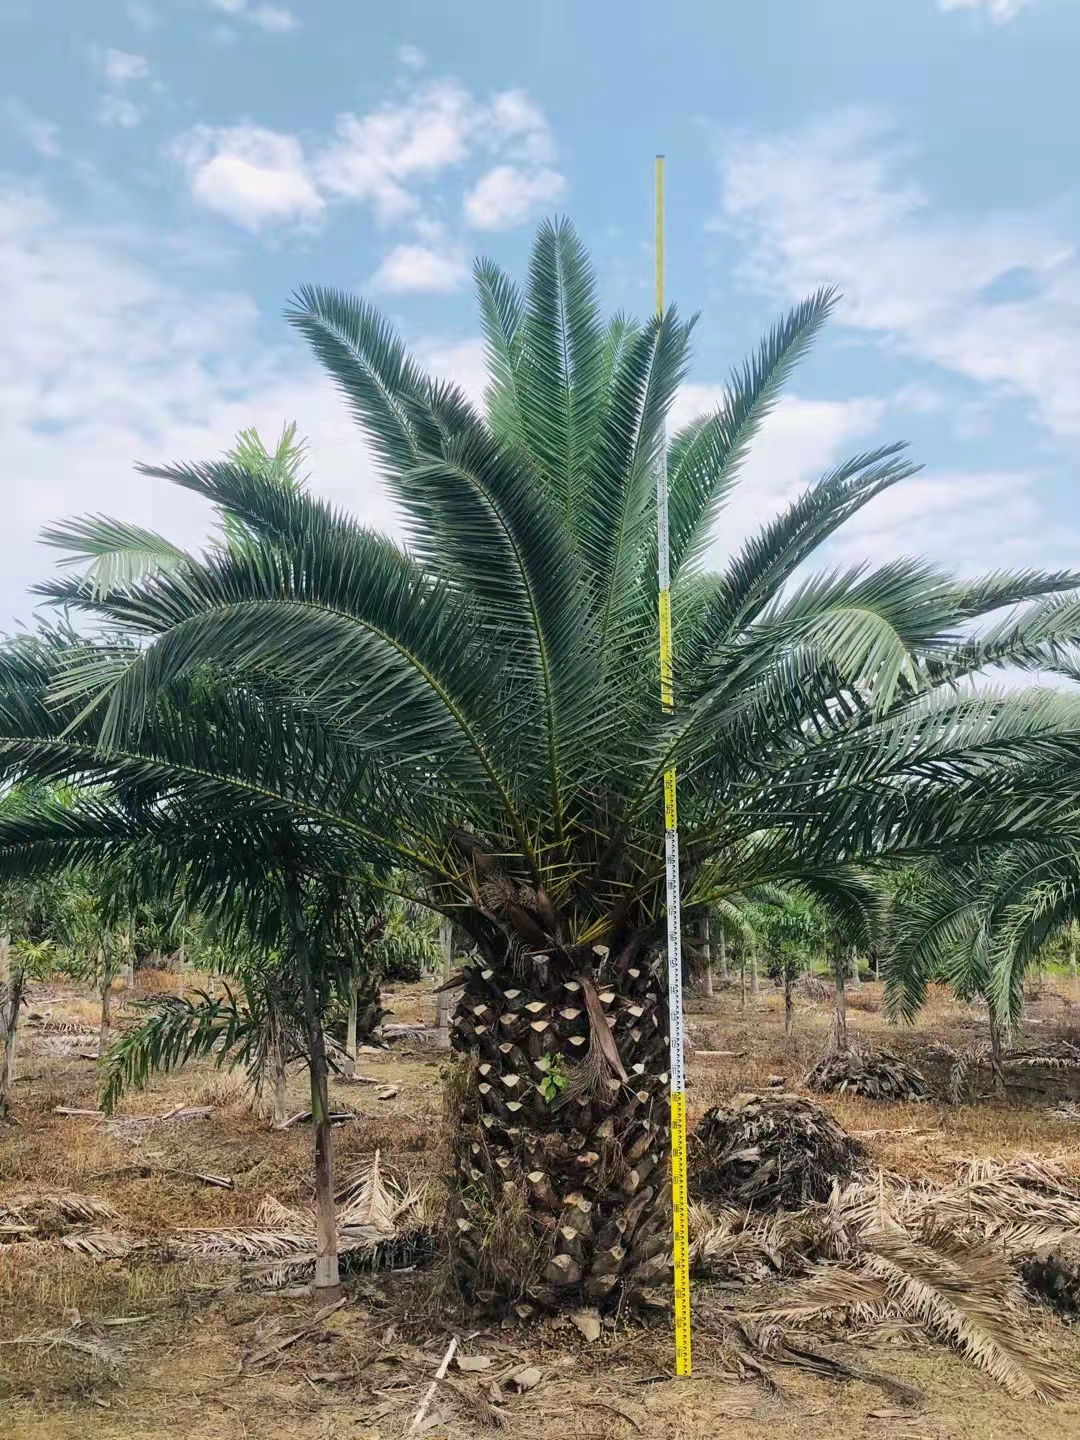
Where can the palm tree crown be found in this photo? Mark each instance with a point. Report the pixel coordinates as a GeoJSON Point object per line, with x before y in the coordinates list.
{"type": "Point", "coordinates": [480, 708]}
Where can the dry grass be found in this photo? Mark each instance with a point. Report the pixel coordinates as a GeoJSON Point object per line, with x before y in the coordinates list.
{"type": "Point", "coordinates": [177, 1375]}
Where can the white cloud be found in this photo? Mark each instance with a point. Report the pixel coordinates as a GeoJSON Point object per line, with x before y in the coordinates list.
{"type": "Point", "coordinates": [376, 156]}
{"type": "Point", "coordinates": [419, 269]}
{"type": "Point", "coordinates": [991, 297]}
{"type": "Point", "coordinates": [382, 156]}
{"type": "Point", "coordinates": [273, 17]}
{"type": "Point", "coordinates": [521, 126]}
{"type": "Point", "coordinates": [120, 68]}
{"type": "Point", "coordinates": [507, 195]}
{"type": "Point", "coordinates": [104, 363]}
{"type": "Point", "coordinates": [998, 10]}
{"type": "Point", "coordinates": [252, 176]}
{"type": "Point", "coordinates": [385, 158]}
{"type": "Point", "coordinates": [41, 135]}
{"type": "Point", "coordinates": [412, 57]}
{"type": "Point", "coordinates": [267, 17]}
{"type": "Point", "coordinates": [121, 71]}
{"type": "Point", "coordinates": [462, 362]}
{"type": "Point", "coordinates": [965, 520]}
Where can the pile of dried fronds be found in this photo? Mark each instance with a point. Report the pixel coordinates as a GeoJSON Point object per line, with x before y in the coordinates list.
{"type": "Point", "coordinates": [944, 1263]}
{"type": "Point", "coordinates": [382, 1223]}
{"type": "Point", "coordinates": [1050, 1055]}
{"type": "Point", "coordinates": [813, 988]}
{"type": "Point", "coordinates": [771, 1151]}
{"type": "Point", "coordinates": [64, 1219]}
{"type": "Point", "coordinates": [873, 1074]}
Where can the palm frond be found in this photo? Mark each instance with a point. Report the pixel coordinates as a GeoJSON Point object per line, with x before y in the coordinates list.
{"type": "Point", "coordinates": [705, 457]}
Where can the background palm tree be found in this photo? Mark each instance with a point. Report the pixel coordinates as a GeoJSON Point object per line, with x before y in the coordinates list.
{"type": "Point", "coordinates": [294, 904]}
{"type": "Point", "coordinates": [479, 711]}
{"type": "Point", "coordinates": [979, 923]}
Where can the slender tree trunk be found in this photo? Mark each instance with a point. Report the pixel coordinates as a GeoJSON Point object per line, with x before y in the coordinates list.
{"type": "Point", "coordinates": [127, 974]}
{"type": "Point", "coordinates": [856, 978]}
{"type": "Point", "coordinates": [754, 985]}
{"type": "Point", "coordinates": [789, 1002]}
{"type": "Point", "coordinates": [279, 1099]}
{"type": "Point", "coordinates": [839, 966]}
{"type": "Point", "coordinates": [350, 1030]}
{"type": "Point", "coordinates": [11, 985]}
{"type": "Point", "coordinates": [327, 1276]}
{"type": "Point", "coordinates": [707, 944]}
{"type": "Point", "coordinates": [877, 963]}
{"type": "Point", "coordinates": [106, 1002]}
{"type": "Point", "coordinates": [996, 1067]}
{"type": "Point", "coordinates": [721, 945]}
{"type": "Point", "coordinates": [446, 940]}
{"type": "Point", "coordinates": [1072, 951]}
{"type": "Point", "coordinates": [742, 976]}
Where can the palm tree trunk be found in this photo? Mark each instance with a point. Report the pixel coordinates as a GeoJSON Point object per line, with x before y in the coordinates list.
{"type": "Point", "coordinates": [1072, 951]}
{"type": "Point", "coordinates": [350, 1029]}
{"type": "Point", "coordinates": [280, 1112]}
{"type": "Point", "coordinates": [997, 1069]}
{"type": "Point", "coordinates": [789, 1002]}
{"type": "Point", "coordinates": [707, 945]}
{"type": "Point", "coordinates": [839, 967]}
{"type": "Point", "coordinates": [106, 1002]}
{"type": "Point", "coordinates": [856, 978]}
{"type": "Point", "coordinates": [742, 975]}
{"type": "Point", "coordinates": [721, 945]}
{"type": "Point", "coordinates": [11, 986]}
{"type": "Point", "coordinates": [327, 1276]}
{"type": "Point", "coordinates": [442, 1014]}
{"type": "Point", "coordinates": [754, 987]}
{"type": "Point", "coordinates": [561, 1194]}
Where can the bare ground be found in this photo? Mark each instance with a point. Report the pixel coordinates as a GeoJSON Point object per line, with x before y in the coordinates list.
{"type": "Point", "coordinates": [176, 1369]}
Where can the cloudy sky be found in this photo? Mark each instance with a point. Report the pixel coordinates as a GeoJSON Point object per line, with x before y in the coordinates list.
{"type": "Point", "coordinates": [170, 170]}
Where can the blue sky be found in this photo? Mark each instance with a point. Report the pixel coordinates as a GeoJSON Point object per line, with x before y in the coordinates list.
{"type": "Point", "coordinates": [171, 169]}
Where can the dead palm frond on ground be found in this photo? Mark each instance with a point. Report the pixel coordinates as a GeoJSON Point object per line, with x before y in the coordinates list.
{"type": "Point", "coordinates": [945, 1262]}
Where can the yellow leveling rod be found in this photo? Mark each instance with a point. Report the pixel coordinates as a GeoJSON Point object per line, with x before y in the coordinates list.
{"type": "Point", "coordinates": [679, 1198]}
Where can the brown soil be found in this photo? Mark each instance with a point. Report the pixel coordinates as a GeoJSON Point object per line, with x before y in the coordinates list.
{"type": "Point", "coordinates": [362, 1372]}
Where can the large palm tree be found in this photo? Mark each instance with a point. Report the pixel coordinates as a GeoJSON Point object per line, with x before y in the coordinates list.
{"type": "Point", "coordinates": [479, 710]}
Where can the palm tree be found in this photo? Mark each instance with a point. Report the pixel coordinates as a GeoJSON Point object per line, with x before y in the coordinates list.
{"type": "Point", "coordinates": [979, 924]}
{"type": "Point", "coordinates": [293, 904]}
{"type": "Point", "coordinates": [793, 929]}
{"type": "Point", "coordinates": [400, 937]}
{"type": "Point", "coordinates": [29, 911]}
{"type": "Point", "coordinates": [479, 711]}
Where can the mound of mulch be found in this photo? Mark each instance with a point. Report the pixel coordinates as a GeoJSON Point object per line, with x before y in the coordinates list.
{"type": "Point", "coordinates": [873, 1074]}
{"type": "Point", "coordinates": [771, 1152]}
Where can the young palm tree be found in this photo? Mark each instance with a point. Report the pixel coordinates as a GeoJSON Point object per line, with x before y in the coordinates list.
{"type": "Point", "coordinates": [979, 924]}
{"type": "Point", "coordinates": [293, 904]}
{"type": "Point", "coordinates": [480, 710]}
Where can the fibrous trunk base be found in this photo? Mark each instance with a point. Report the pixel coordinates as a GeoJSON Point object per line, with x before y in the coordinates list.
{"type": "Point", "coordinates": [561, 1194]}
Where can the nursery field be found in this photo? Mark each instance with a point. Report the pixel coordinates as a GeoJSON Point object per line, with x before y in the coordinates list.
{"type": "Point", "coordinates": [149, 1286]}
